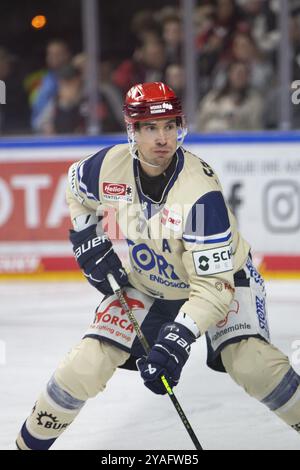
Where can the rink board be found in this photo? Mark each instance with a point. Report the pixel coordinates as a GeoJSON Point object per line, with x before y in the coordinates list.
{"type": "Point", "coordinates": [260, 174]}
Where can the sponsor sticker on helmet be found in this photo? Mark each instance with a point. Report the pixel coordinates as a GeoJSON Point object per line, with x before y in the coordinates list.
{"type": "Point", "coordinates": [160, 108]}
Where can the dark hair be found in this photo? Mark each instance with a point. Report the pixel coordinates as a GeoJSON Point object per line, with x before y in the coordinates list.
{"type": "Point", "coordinates": [68, 72]}
{"type": "Point", "coordinates": [242, 94]}
{"type": "Point", "coordinates": [60, 42]}
{"type": "Point", "coordinates": [171, 18]}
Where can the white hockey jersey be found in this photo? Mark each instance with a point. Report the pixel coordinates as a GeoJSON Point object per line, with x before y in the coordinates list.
{"type": "Point", "coordinates": [187, 246]}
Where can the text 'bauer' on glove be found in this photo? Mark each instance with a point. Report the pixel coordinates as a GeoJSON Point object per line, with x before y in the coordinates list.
{"type": "Point", "coordinates": [96, 257]}
{"type": "Point", "coordinates": [167, 357]}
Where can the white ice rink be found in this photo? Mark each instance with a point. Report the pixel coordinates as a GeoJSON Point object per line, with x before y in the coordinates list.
{"type": "Point", "coordinates": [39, 322]}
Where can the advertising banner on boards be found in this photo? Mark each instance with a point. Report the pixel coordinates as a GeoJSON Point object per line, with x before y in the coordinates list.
{"type": "Point", "coordinates": [260, 179]}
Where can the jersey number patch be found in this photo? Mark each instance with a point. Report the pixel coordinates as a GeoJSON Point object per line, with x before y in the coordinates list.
{"type": "Point", "coordinates": [208, 171]}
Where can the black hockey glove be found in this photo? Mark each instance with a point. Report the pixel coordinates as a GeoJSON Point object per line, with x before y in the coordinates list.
{"type": "Point", "coordinates": [167, 357]}
{"type": "Point", "coordinates": [96, 257]}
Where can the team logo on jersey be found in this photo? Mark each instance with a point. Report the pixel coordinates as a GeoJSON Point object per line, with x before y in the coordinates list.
{"type": "Point", "coordinates": [155, 266]}
{"type": "Point", "coordinates": [171, 220]}
{"type": "Point", "coordinates": [117, 192]}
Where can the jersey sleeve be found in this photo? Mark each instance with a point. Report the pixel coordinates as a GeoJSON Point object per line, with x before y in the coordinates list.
{"type": "Point", "coordinates": [82, 192]}
{"type": "Point", "coordinates": [207, 258]}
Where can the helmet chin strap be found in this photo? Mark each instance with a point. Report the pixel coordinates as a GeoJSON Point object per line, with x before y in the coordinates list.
{"type": "Point", "coordinates": [144, 161]}
{"type": "Point", "coordinates": [134, 150]}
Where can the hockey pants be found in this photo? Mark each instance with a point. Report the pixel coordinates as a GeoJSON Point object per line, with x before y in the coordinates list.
{"type": "Point", "coordinates": [261, 369]}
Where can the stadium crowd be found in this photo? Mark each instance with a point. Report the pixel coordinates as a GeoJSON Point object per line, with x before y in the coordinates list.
{"type": "Point", "coordinates": [237, 80]}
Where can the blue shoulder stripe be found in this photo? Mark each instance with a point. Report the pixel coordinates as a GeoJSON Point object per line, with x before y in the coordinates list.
{"type": "Point", "coordinates": [88, 174]}
{"type": "Point", "coordinates": [208, 220]}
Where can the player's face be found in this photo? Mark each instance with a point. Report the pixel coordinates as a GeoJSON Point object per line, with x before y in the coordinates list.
{"type": "Point", "coordinates": [157, 141]}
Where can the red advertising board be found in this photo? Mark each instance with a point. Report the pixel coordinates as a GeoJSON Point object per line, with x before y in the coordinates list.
{"type": "Point", "coordinates": [34, 218]}
{"type": "Point", "coordinates": [32, 201]}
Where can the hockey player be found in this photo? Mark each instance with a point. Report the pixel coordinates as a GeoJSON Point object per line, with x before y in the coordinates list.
{"type": "Point", "coordinates": [189, 272]}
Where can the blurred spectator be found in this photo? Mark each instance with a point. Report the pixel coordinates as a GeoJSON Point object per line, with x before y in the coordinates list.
{"type": "Point", "coordinates": [146, 65]}
{"type": "Point", "coordinates": [57, 56]}
{"type": "Point", "coordinates": [237, 106]}
{"type": "Point", "coordinates": [172, 37]}
{"type": "Point", "coordinates": [295, 40]}
{"type": "Point", "coordinates": [209, 45]}
{"type": "Point", "coordinates": [272, 97]}
{"type": "Point", "coordinates": [32, 84]}
{"type": "Point", "coordinates": [63, 113]}
{"type": "Point", "coordinates": [228, 16]}
{"type": "Point", "coordinates": [14, 115]}
{"type": "Point", "coordinates": [244, 49]}
{"type": "Point", "coordinates": [110, 103]}
{"type": "Point", "coordinates": [216, 24]}
{"type": "Point", "coordinates": [204, 21]}
{"type": "Point", "coordinates": [165, 12]}
{"type": "Point", "coordinates": [227, 31]}
{"type": "Point", "coordinates": [144, 26]}
{"type": "Point", "coordinates": [260, 20]}
{"type": "Point", "coordinates": [174, 77]}
{"type": "Point", "coordinates": [67, 112]}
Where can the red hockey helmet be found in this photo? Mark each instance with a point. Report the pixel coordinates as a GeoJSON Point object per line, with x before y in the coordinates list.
{"type": "Point", "coordinates": [147, 101]}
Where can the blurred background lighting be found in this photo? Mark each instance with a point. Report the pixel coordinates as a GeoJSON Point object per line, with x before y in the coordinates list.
{"type": "Point", "coordinates": [38, 22]}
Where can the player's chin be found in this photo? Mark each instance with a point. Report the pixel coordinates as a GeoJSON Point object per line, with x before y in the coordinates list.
{"type": "Point", "coordinates": [162, 156]}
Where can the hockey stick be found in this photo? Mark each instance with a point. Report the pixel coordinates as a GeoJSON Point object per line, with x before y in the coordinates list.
{"type": "Point", "coordinates": [117, 290]}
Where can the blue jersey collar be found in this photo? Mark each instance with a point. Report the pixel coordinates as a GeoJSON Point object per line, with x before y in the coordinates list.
{"type": "Point", "coordinates": [150, 207]}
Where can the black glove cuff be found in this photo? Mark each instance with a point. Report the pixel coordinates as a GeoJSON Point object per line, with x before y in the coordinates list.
{"type": "Point", "coordinates": [79, 237]}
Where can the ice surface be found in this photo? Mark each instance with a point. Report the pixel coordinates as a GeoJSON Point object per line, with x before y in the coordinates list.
{"type": "Point", "coordinates": [39, 323]}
